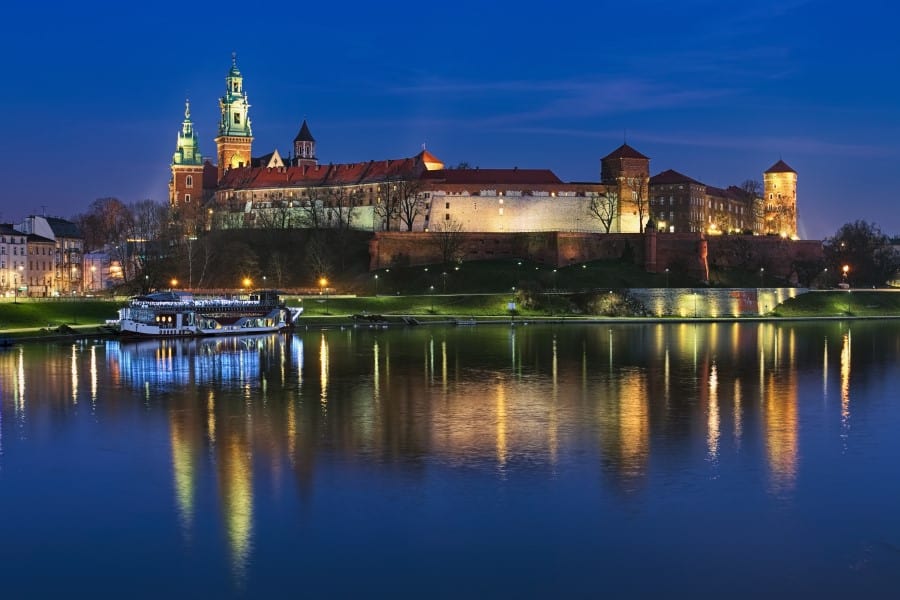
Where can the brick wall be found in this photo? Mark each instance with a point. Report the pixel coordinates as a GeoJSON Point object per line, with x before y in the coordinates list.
{"type": "Point", "coordinates": [685, 252]}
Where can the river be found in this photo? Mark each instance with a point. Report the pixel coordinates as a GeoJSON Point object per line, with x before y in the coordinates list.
{"type": "Point", "coordinates": [532, 461]}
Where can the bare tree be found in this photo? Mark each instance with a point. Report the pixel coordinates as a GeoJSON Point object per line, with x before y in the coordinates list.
{"type": "Point", "coordinates": [317, 255]}
{"type": "Point", "coordinates": [779, 218]}
{"type": "Point", "coordinates": [387, 205]}
{"type": "Point", "coordinates": [752, 191]}
{"type": "Point", "coordinates": [313, 208]}
{"type": "Point", "coordinates": [278, 267]}
{"type": "Point", "coordinates": [603, 207]}
{"type": "Point", "coordinates": [104, 223]}
{"type": "Point", "coordinates": [411, 202]}
{"type": "Point", "coordinates": [340, 203]}
{"type": "Point", "coordinates": [448, 238]}
{"type": "Point", "coordinates": [640, 197]}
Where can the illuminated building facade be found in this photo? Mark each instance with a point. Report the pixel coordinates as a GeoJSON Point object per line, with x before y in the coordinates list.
{"type": "Point", "coordinates": [67, 252]}
{"type": "Point", "coordinates": [419, 194]}
{"type": "Point", "coordinates": [679, 203]}
{"type": "Point", "coordinates": [40, 272]}
{"type": "Point", "coordinates": [12, 258]}
{"type": "Point", "coordinates": [780, 189]}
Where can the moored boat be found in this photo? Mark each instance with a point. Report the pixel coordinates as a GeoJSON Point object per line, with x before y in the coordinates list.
{"type": "Point", "coordinates": [174, 314]}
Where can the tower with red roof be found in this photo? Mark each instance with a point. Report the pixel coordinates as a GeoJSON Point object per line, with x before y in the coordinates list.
{"type": "Point", "coordinates": [780, 200]}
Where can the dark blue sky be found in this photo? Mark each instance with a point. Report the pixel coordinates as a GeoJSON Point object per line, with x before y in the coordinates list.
{"type": "Point", "coordinates": [717, 90]}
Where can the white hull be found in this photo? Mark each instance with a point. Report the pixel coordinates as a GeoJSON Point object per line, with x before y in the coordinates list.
{"type": "Point", "coordinates": [150, 317]}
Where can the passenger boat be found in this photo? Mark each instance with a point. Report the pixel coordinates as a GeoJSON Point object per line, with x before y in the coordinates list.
{"type": "Point", "coordinates": [173, 314]}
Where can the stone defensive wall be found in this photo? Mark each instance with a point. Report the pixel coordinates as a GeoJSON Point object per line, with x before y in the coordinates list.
{"type": "Point", "coordinates": [777, 255]}
{"type": "Point", "coordinates": [548, 247]}
{"type": "Point", "coordinates": [691, 253]}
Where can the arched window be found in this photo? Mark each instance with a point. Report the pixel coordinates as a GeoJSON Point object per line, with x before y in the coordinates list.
{"type": "Point", "coordinates": [189, 181]}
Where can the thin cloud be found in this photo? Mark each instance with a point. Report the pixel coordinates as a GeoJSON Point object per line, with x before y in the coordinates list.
{"type": "Point", "coordinates": [796, 144]}
{"type": "Point", "coordinates": [567, 98]}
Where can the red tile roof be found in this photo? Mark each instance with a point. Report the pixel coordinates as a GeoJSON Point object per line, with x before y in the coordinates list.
{"type": "Point", "coordinates": [625, 151]}
{"type": "Point", "coordinates": [493, 176]}
{"type": "Point", "coordinates": [322, 175]}
{"type": "Point", "coordinates": [672, 176]}
{"type": "Point", "coordinates": [780, 167]}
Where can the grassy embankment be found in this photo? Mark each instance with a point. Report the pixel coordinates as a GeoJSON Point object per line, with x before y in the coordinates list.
{"type": "Point", "coordinates": [475, 289]}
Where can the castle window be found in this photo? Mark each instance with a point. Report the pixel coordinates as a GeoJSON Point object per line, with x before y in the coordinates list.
{"type": "Point", "coordinates": [187, 197]}
{"type": "Point", "coordinates": [189, 181]}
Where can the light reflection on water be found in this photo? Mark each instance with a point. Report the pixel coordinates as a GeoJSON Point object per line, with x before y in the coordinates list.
{"type": "Point", "coordinates": [628, 418]}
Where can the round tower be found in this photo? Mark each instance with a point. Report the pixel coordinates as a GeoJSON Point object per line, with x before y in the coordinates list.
{"type": "Point", "coordinates": [780, 200]}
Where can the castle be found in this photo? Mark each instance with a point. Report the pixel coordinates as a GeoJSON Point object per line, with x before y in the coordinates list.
{"type": "Point", "coordinates": [419, 194]}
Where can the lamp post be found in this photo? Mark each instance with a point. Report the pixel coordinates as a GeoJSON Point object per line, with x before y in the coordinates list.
{"type": "Point", "coordinates": [376, 285]}
{"type": "Point", "coordinates": [846, 270]}
{"type": "Point", "coordinates": [431, 290]}
{"type": "Point", "coordinates": [444, 281]}
{"type": "Point", "coordinates": [762, 274]}
{"type": "Point", "coordinates": [667, 277]}
{"type": "Point", "coordinates": [323, 284]}
{"type": "Point", "coordinates": [247, 282]}
{"type": "Point", "coordinates": [173, 283]}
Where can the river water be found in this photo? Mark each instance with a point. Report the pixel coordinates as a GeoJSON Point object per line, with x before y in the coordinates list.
{"type": "Point", "coordinates": [576, 460]}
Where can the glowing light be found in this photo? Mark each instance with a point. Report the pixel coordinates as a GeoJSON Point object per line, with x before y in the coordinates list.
{"type": "Point", "coordinates": [712, 421]}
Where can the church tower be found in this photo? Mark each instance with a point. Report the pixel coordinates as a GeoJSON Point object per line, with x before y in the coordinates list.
{"type": "Point", "coordinates": [780, 199]}
{"type": "Point", "coordinates": [186, 184]}
{"type": "Point", "coordinates": [235, 136]}
{"type": "Point", "coordinates": [305, 147]}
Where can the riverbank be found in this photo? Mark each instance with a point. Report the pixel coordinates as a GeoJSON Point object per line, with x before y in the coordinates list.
{"type": "Point", "coordinates": [52, 320]}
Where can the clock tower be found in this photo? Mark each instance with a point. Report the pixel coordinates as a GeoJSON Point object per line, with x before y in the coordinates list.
{"type": "Point", "coordinates": [235, 138]}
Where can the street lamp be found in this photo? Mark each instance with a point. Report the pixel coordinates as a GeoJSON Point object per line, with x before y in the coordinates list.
{"type": "Point", "coordinates": [173, 283]}
{"type": "Point", "coordinates": [247, 281]}
{"type": "Point", "coordinates": [431, 289]}
{"type": "Point", "coordinates": [376, 285]}
{"type": "Point", "coordinates": [323, 283]}
{"type": "Point", "coordinates": [846, 270]}
{"type": "Point", "coordinates": [667, 276]}
{"type": "Point", "coordinates": [444, 278]}
{"type": "Point", "coordinates": [762, 274]}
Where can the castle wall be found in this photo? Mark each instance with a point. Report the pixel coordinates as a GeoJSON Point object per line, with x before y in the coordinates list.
{"type": "Point", "coordinates": [552, 248]}
{"type": "Point", "coordinates": [778, 256]}
{"type": "Point", "coordinates": [690, 253]}
{"type": "Point", "coordinates": [501, 214]}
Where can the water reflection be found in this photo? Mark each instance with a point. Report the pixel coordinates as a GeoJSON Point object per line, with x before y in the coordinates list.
{"type": "Point", "coordinates": [626, 399]}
